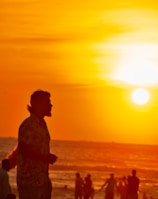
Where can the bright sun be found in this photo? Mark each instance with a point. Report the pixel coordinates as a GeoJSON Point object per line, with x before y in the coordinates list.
{"type": "Point", "coordinates": [140, 96]}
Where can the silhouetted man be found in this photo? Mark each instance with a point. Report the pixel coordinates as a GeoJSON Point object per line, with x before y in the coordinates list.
{"type": "Point", "coordinates": [78, 186]}
{"type": "Point", "coordinates": [88, 187]}
{"type": "Point", "coordinates": [34, 154]}
{"type": "Point", "coordinates": [110, 184]}
{"type": "Point", "coordinates": [133, 186]}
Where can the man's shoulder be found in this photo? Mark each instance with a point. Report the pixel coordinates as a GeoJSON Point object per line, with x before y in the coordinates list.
{"type": "Point", "coordinates": [137, 179]}
{"type": "Point", "coordinates": [26, 122]}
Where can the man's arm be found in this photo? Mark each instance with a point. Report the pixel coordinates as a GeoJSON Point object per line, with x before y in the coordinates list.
{"type": "Point", "coordinates": [12, 157]}
{"type": "Point", "coordinates": [29, 151]}
{"type": "Point", "coordinates": [102, 186]}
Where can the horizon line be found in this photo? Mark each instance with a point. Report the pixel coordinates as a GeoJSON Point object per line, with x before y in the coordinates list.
{"type": "Point", "coordinates": [92, 141]}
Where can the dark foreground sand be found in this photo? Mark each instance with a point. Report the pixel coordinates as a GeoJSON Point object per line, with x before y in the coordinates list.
{"type": "Point", "coordinates": [66, 193]}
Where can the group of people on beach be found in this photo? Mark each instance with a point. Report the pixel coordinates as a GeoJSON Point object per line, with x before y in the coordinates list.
{"type": "Point", "coordinates": [125, 188]}
{"type": "Point", "coordinates": [83, 188]}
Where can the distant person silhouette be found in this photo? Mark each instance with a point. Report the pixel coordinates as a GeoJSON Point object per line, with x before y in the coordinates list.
{"type": "Point", "coordinates": [110, 184]}
{"type": "Point", "coordinates": [88, 187]}
{"type": "Point", "coordinates": [34, 154]}
{"type": "Point", "coordinates": [5, 188]}
{"type": "Point", "coordinates": [122, 188]}
{"type": "Point", "coordinates": [78, 186]}
{"type": "Point", "coordinates": [133, 185]}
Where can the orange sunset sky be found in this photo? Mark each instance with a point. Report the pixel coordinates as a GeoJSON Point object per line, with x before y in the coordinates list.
{"type": "Point", "coordinates": [90, 55]}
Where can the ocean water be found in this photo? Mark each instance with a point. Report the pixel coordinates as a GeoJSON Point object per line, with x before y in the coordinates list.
{"type": "Point", "coordinates": [98, 159]}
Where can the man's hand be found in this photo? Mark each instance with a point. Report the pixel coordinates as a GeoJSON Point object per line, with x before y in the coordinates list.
{"type": "Point", "coordinates": [52, 158]}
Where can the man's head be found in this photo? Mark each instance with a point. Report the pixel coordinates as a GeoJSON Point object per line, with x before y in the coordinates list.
{"type": "Point", "coordinates": [77, 175]}
{"type": "Point", "coordinates": [40, 103]}
{"type": "Point", "coordinates": [111, 175]}
{"type": "Point", "coordinates": [6, 164]}
{"type": "Point", "coordinates": [134, 172]}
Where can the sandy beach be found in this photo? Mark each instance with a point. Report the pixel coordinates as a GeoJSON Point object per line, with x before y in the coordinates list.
{"type": "Point", "coordinates": [59, 193]}
{"type": "Point", "coordinates": [66, 193]}
{"type": "Point", "coordinates": [119, 160]}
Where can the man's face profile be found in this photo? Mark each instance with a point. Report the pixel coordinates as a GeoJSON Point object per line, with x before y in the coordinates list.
{"type": "Point", "coordinates": [41, 103]}
{"type": "Point", "coordinates": [47, 107]}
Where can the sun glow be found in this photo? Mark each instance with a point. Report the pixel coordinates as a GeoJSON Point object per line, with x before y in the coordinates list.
{"type": "Point", "coordinates": [140, 96]}
{"type": "Point", "coordinates": [137, 65]}
{"type": "Point", "coordinates": [132, 64]}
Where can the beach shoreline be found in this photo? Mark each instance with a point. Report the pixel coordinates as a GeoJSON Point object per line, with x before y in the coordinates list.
{"type": "Point", "coordinates": [120, 161]}
{"type": "Point", "coordinates": [68, 193]}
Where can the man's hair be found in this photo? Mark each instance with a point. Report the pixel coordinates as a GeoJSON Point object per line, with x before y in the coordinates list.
{"type": "Point", "coordinates": [36, 97]}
